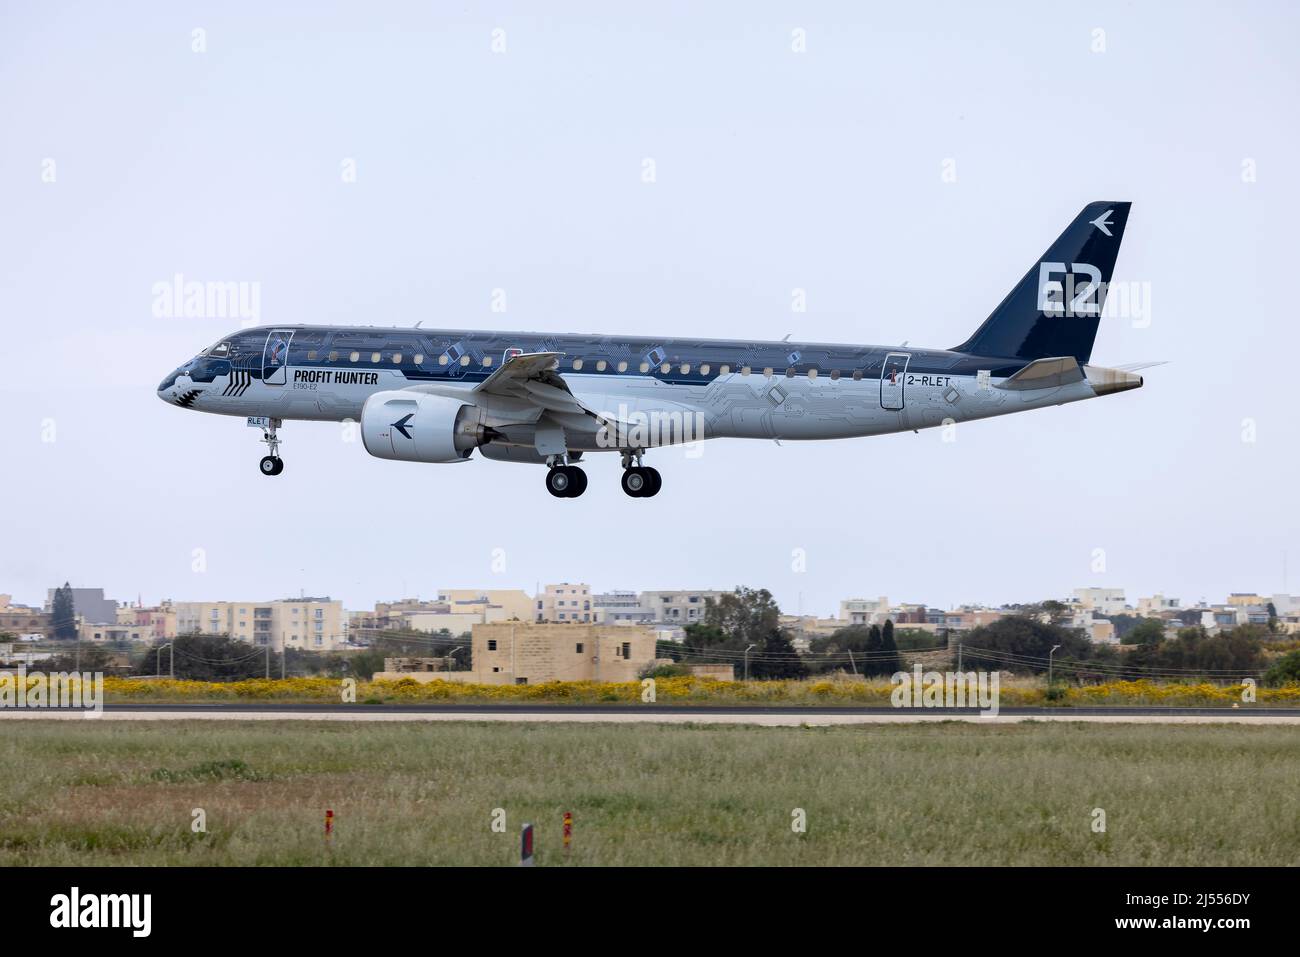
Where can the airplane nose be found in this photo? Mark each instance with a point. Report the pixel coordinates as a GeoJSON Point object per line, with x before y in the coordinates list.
{"type": "Point", "coordinates": [164, 387]}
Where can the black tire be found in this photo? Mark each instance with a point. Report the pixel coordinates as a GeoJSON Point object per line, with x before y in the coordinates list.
{"type": "Point", "coordinates": [559, 481]}
{"type": "Point", "coordinates": [635, 482]}
{"type": "Point", "coordinates": [579, 480]}
{"type": "Point", "coordinates": [268, 465]}
{"type": "Point", "coordinates": [279, 466]}
{"type": "Point", "coordinates": [656, 482]}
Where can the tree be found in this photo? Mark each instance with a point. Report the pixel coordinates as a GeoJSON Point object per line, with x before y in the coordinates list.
{"type": "Point", "coordinates": [1149, 631]}
{"type": "Point", "coordinates": [738, 620]}
{"type": "Point", "coordinates": [890, 663]}
{"type": "Point", "coordinates": [1024, 643]}
{"type": "Point", "coordinates": [862, 649]}
{"type": "Point", "coordinates": [1286, 670]}
{"type": "Point", "coordinates": [1195, 650]}
{"type": "Point", "coordinates": [63, 614]}
{"type": "Point", "coordinates": [208, 658]}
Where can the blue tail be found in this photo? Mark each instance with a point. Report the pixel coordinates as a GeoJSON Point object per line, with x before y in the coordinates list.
{"type": "Point", "coordinates": [1055, 310]}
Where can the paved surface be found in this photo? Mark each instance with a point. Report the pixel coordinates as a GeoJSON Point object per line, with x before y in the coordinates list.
{"type": "Point", "coordinates": [659, 714]}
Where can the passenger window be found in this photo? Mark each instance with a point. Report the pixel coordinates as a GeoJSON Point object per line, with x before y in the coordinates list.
{"type": "Point", "coordinates": [464, 360]}
{"type": "Point", "coordinates": [857, 375]}
{"type": "Point", "coordinates": [704, 369]}
{"type": "Point", "coordinates": [686, 368]}
{"type": "Point", "coordinates": [577, 364]}
{"type": "Point", "coordinates": [812, 373]}
{"type": "Point", "coordinates": [334, 357]}
{"type": "Point", "coordinates": [835, 374]}
{"type": "Point", "coordinates": [600, 366]}
{"type": "Point", "coordinates": [354, 357]}
{"type": "Point", "coordinates": [375, 357]}
{"type": "Point", "coordinates": [789, 372]}
{"type": "Point", "coordinates": [311, 355]}
{"type": "Point", "coordinates": [645, 367]}
{"type": "Point", "coordinates": [442, 359]}
{"type": "Point", "coordinates": [768, 371]}
{"type": "Point", "coordinates": [487, 361]}
{"type": "Point", "coordinates": [419, 358]}
{"type": "Point", "coordinates": [666, 368]}
{"type": "Point", "coordinates": [622, 367]}
{"type": "Point", "coordinates": [397, 358]}
{"type": "Point", "coordinates": [744, 370]}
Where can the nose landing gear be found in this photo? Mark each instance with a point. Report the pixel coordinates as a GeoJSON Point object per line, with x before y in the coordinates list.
{"type": "Point", "coordinates": [271, 464]}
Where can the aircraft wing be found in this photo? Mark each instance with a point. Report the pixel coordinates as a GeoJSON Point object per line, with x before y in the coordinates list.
{"type": "Point", "coordinates": [533, 377]}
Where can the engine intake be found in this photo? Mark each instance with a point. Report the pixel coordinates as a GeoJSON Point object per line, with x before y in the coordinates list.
{"type": "Point", "coordinates": [418, 427]}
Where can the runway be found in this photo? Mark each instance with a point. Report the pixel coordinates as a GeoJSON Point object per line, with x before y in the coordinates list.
{"type": "Point", "coordinates": [655, 714]}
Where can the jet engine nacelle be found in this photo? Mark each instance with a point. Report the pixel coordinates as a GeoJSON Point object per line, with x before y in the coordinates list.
{"type": "Point", "coordinates": [418, 427]}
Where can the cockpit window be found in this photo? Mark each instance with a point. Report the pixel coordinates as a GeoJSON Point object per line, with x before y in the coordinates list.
{"type": "Point", "coordinates": [220, 350]}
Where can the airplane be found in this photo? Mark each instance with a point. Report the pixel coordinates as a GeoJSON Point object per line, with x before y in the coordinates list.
{"type": "Point", "coordinates": [421, 395]}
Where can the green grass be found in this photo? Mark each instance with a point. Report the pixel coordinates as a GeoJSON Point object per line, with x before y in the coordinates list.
{"type": "Point", "coordinates": [424, 793]}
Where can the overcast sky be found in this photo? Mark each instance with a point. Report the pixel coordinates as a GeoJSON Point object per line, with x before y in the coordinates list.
{"type": "Point", "coordinates": [127, 157]}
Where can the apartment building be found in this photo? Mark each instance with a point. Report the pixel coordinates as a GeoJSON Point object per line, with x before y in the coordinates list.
{"type": "Point", "coordinates": [23, 619]}
{"type": "Point", "coordinates": [1158, 606]}
{"type": "Point", "coordinates": [619, 608]}
{"type": "Point", "coordinates": [565, 603]}
{"type": "Point", "coordinates": [679, 608]}
{"type": "Point", "coordinates": [312, 624]}
{"type": "Point", "coordinates": [498, 604]}
{"type": "Point", "coordinates": [1103, 601]}
{"type": "Point", "coordinates": [864, 611]}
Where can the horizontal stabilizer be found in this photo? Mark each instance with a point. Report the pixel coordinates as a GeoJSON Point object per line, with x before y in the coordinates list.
{"type": "Point", "coordinates": [1045, 374]}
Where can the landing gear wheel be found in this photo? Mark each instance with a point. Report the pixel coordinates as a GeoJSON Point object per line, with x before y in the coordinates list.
{"type": "Point", "coordinates": [637, 482]}
{"type": "Point", "coordinates": [655, 480]}
{"type": "Point", "coordinates": [579, 478]}
{"type": "Point", "coordinates": [566, 481]}
{"type": "Point", "coordinates": [271, 465]}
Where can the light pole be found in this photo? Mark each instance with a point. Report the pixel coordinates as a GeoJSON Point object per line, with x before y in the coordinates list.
{"type": "Point", "coordinates": [747, 661]}
{"type": "Point", "coordinates": [451, 654]}
{"type": "Point", "coordinates": [171, 660]}
{"type": "Point", "coordinates": [1049, 666]}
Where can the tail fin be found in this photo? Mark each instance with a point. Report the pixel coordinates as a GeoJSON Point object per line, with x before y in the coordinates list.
{"type": "Point", "coordinates": [1055, 310]}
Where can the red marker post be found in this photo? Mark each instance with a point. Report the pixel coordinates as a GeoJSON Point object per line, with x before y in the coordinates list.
{"type": "Point", "coordinates": [568, 830]}
{"type": "Point", "coordinates": [329, 828]}
{"type": "Point", "coordinates": [526, 847]}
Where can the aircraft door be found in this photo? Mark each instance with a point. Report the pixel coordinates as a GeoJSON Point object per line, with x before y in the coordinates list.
{"type": "Point", "coordinates": [892, 376]}
{"type": "Point", "coordinates": [275, 357]}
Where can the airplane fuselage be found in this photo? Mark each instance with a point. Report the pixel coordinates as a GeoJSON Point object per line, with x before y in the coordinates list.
{"type": "Point", "coordinates": [755, 390]}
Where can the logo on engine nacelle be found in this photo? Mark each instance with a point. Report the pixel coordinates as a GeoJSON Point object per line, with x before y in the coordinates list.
{"type": "Point", "coordinates": [401, 426]}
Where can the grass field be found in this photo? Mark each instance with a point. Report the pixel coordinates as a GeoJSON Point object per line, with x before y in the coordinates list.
{"type": "Point", "coordinates": [123, 793]}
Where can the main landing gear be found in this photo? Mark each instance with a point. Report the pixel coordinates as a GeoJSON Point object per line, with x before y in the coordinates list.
{"type": "Point", "coordinates": [640, 481]}
{"type": "Point", "coordinates": [272, 464]}
{"type": "Point", "coordinates": [566, 481]}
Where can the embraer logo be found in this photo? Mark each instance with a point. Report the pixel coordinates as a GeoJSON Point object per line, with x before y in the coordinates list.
{"type": "Point", "coordinates": [401, 424]}
{"type": "Point", "coordinates": [1103, 222]}
{"type": "Point", "coordinates": [1071, 297]}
